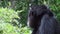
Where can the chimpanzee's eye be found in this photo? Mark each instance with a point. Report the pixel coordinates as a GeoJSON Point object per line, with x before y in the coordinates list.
{"type": "Point", "coordinates": [32, 13]}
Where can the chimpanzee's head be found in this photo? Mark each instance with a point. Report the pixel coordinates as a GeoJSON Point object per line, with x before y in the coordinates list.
{"type": "Point", "coordinates": [35, 14]}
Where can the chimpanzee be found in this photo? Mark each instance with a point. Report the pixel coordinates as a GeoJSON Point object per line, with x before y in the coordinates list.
{"type": "Point", "coordinates": [42, 20]}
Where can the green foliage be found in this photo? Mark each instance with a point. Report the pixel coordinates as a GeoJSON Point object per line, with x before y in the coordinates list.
{"type": "Point", "coordinates": [56, 10]}
{"type": "Point", "coordinates": [25, 30]}
{"type": "Point", "coordinates": [7, 14]}
{"type": "Point", "coordinates": [6, 18]}
{"type": "Point", "coordinates": [6, 28]}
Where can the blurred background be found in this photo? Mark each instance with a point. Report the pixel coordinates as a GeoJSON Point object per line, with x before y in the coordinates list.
{"type": "Point", "coordinates": [13, 14]}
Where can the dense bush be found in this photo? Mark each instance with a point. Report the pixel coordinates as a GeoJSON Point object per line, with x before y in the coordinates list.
{"type": "Point", "coordinates": [7, 14]}
{"type": "Point", "coordinates": [7, 21]}
{"type": "Point", "coordinates": [6, 17]}
{"type": "Point", "coordinates": [25, 30]}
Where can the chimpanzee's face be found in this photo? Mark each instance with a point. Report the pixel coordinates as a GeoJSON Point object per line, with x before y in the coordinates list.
{"type": "Point", "coordinates": [31, 17]}
{"type": "Point", "coordinates": [34, 14]}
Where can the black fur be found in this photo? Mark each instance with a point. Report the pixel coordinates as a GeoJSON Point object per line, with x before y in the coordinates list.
{"type": "Point", "coordinates": [42, 21]}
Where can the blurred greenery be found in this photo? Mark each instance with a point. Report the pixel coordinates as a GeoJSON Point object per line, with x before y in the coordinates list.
{"type": "Point", "coordinates": [13, 14]}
